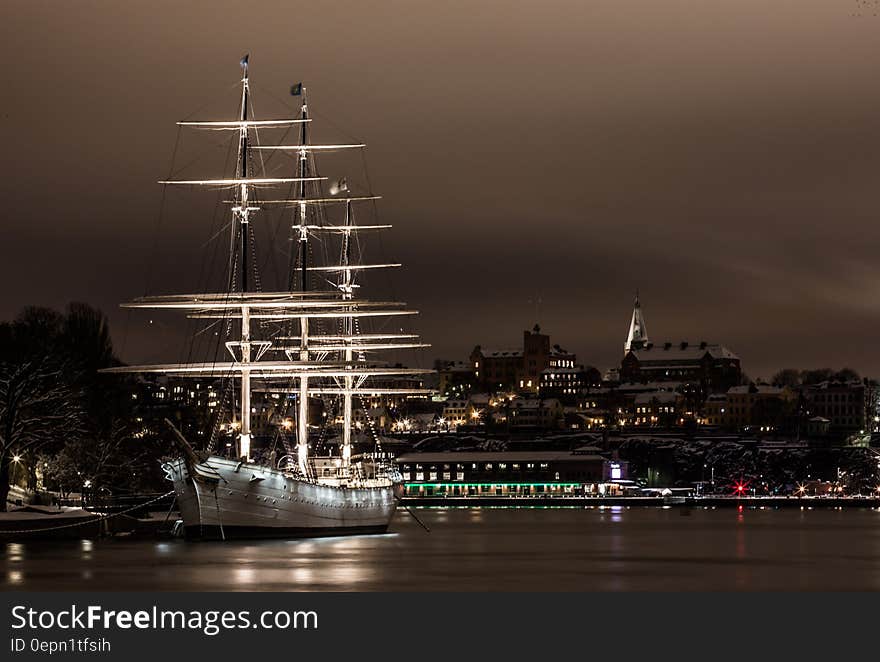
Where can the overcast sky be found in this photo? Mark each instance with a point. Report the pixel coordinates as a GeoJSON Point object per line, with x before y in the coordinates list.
{"type": "Point", "coordinates": [722, 157]}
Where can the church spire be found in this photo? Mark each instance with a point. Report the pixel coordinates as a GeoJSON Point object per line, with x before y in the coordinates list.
{"type": "Point", "coordinates": [638, 331]}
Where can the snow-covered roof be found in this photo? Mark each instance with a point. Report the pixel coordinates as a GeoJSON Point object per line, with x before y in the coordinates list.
{"type": "Point", "coordinates": [638, 387]}
{"type": "Point", "coordinates": [501, 353]}
{"type": "Point", "coordinates": [757, 389]}
{"type": "Point", "coordinates": [458, 367]}
{"type": "Point", "coordinates": [659, 396]}
{"type": "Point", "coordinates": [833, 384]}
{"type": "Point", "coordinates": [534, 403]}
{"type": "Point", "coordinates": [683, 351]}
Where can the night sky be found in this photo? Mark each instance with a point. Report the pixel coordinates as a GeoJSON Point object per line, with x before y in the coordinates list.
{"type": "Point", "coordinates": [721, 157]}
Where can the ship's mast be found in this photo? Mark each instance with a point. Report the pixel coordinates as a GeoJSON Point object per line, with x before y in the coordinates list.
{"type": "Point", "coordinates": [305, 366]}
{"type": "Point", "coordinates": [243, 212]}
{"type": "Point", "coordinates": [302, 430]}
{"type": "Point", "coordinates": [303, 163]}
{"type": "Point", "coordinates": [347, 287]}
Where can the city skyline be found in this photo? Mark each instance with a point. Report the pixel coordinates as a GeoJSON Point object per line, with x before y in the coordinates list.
{"type": "Point", "coordinates": [737, 198]}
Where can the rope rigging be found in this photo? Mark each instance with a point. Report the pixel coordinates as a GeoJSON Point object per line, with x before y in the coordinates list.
{"type": "Point", "coordinates": [250, 268]}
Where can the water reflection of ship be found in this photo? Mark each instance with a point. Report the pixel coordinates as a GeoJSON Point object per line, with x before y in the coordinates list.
{"type": "Point", "coordinates": [306, 339]}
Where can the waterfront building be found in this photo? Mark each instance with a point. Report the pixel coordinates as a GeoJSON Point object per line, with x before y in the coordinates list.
{"type": "Point", "coordinates": [160, 390]}
{"type": "Point", "coordinates": [567, 383]}
{"type": "Point", "coordinates": [543, 414]}
{"type": "Point", "coordinates": [845, 404]}
{"type": "Point", "coordinates": [454, 378]}
{"type": "Point", "coordinates": [714, 409]}
{"type": "Point", "coordinates": [758, 407]}
{"type": "Point", "coordinates": [510, 473]}
{"type": "Point", "coordinates": [496, 369]}
{"type": "Point", "coordinates": [657, 408]}
{"type": "Point", "coordinates": [517, 368]}
{"type": "Point", "coordinates": [578, 418]}
{"type": "Point", "coordinates": [818, 427]}
{"type": "Point", "coordinates": [712, 367]}
{"type": "Point", "coordinates": [618, 402]}
{"type": "Point", "coordinates": [456, 413]}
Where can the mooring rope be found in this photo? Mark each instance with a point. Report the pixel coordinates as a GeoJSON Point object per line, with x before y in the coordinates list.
{"type": "Point", "coordinates": [100, 518]}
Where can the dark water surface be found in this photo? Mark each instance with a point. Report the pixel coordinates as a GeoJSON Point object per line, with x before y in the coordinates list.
{"type": "Point", "coordinates": [605, 549]}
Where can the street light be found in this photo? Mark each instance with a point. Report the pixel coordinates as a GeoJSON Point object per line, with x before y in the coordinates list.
{"type": "Point", "coordinates": [16, 459]}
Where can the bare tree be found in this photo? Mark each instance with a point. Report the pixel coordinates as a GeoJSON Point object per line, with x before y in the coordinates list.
{"type": "Point", "coordinates": [111, 457]}
{"type": "Point", "coordinates": [37, 408]}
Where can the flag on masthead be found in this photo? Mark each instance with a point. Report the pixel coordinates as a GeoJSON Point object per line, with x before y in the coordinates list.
{"type": "Point", "coordinates": [339, 186]}
{"type": "Point", "coordinates": [244, 60]}
{"type": "Point", "coordinates": [296, 90]}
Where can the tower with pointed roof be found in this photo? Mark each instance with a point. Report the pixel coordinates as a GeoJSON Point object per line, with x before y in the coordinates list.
{"type": "Point", "coordinates": [638, 331]}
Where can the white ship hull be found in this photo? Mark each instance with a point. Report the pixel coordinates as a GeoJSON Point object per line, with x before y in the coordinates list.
{"type": "Point", "coordinates": [228, 499]}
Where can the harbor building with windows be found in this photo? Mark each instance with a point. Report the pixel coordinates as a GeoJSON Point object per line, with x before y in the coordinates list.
{"type": "Point", "coordinates": [511, 473]}
{"type": "Point", "coordinates": [711, 366]}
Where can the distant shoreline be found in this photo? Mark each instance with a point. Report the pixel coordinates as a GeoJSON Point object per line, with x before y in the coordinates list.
{"type": "Point", "coordinates": [641, 502]}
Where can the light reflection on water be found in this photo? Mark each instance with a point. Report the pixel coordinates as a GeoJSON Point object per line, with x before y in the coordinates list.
{"type": "Point", "coordinates": [14, 552]}
{"type": "Point", "coordinates": [612, 548]}
{"type": "Point", "coordinates": [244, 576]}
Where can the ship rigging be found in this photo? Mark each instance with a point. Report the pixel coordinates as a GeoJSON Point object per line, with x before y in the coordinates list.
{"type": "Point", "coordinates": [304, 339]}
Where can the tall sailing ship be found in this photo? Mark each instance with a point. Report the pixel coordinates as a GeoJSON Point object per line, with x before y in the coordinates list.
{"type": "Point", "coordinates": [305, 341]}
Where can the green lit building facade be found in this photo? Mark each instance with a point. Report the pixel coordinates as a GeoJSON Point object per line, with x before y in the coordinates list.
{"type": "Point", "coordinates": [510, 474]}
